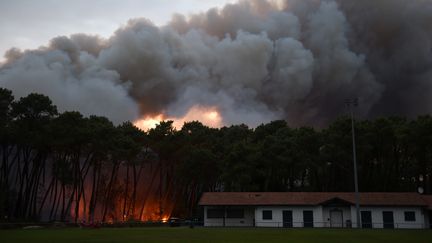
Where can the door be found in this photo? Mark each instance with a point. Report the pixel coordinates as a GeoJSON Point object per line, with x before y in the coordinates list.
{"type": "Point", "coordinates": [336, 218]}
{"type": "Point", "coordinates": [388, 219]}
{"type": "Point", "coordinates": [287, 219]}
{"type": "Point", "coordinates": [366, 219]}
{"type": "Point", "coordinates": [308, 219]}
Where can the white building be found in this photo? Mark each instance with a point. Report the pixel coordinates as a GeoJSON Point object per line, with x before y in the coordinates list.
{"type": "Point", "coordinates": [316, 209]}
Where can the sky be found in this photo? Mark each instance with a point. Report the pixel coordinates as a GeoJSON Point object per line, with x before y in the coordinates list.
{"type": "Point", "coordinates": [28, 24]}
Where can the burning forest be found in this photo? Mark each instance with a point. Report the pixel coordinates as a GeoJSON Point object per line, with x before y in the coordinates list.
{"type": "Point", "coordinates": [78, 169]}
{"type": "Point", "coordinates": [134, 127]}
{"type": "Point", "coordinates": [66, 167]}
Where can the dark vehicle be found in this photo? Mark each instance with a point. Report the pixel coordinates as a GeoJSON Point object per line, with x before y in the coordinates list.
{"type": "Point", "coordinates": [175, 222]}
{"type": "Point", "coordinates": [193, 222]}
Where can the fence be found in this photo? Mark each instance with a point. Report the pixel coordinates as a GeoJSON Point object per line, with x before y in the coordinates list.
{"type": "Point", "coordinates": [272, 224]}
{"type": "Point", "coordinates": [35, 225]}
{"type": "Point", "coordinates": [347, 224]}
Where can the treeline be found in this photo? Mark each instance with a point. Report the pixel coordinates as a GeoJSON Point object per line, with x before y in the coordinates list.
{"type": "Point", "coordinates": [63, 166]}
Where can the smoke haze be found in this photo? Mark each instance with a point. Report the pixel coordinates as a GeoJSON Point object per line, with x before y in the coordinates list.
{"type": "Point", "coordinates": [256, 61]}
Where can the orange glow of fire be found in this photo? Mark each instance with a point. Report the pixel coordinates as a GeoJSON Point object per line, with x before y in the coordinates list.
{"type": "Point", "coordinates": [149, 122]}
{"type": "Point", "coordinates": [152, 212]}
{"type": "Point", "coordinates": [151, 208]}
{"type": "Point", "coordinates": [154, 202]}
{"type": "Point", "coordinates": [209, 116]}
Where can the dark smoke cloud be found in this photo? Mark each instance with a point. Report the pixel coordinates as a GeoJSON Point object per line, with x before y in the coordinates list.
{"type": "Point", "coordinates": [256, 60]}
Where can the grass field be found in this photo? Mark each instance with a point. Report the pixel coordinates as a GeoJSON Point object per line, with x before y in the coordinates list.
{"type": "Point", "coordinates": [181, 234]}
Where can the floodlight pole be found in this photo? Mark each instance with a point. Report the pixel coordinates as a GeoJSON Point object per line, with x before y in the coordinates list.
{"type": "Point", "coordinates": [351, 103]}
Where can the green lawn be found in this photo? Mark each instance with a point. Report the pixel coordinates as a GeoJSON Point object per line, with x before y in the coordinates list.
{"type": "Point", "coordinates": [165, 234]}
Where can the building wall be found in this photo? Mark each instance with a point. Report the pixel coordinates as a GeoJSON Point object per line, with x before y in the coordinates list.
{"type": "Point", "coordinates": [247, 221]}
{"type": "Point", "coordinates": [321, 216]}
{"type": "Point", "coordinates": [297, 212]}
{"type": "Point", "coordinates": [398, 217]}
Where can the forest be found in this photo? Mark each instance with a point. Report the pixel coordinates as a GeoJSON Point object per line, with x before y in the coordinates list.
{"type": "Point", "coordinates": [67, 167]}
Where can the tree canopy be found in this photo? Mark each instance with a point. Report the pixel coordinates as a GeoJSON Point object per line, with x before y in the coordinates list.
{"type": "Point", "coordinates": [64, 166]}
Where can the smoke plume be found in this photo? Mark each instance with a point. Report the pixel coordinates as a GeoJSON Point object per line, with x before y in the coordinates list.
{"type": "Point", "coordinates": [255, 61]}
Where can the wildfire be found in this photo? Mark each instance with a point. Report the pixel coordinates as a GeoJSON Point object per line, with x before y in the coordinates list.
{"type": "Point", "coordinates": [149, 122]}
{"type": "Point", "coordinates": [153, 201]}
{"type": "Point", "coordinates": [209, 116]}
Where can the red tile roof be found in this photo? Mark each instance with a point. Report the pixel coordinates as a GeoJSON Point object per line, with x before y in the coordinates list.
{"type": "Point", "coordinates": [311, 198]}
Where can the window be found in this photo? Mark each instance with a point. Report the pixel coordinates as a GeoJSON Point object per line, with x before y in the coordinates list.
{"type": "Point", "coordinates": [235, 213]}
{"type": "Point", "coordinates": [215, 213]}
{"type": "Point", "coordinates": [410, 216]}
{"type": "Point", "coordinates": [267, 214]}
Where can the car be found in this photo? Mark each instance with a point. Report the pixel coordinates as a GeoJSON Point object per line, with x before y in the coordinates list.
{"type": "Point", "coordinates": [175, 222]}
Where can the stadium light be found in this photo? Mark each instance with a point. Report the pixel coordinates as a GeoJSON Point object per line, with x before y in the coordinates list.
{"type": "Point", "coordinates": [350, 104]}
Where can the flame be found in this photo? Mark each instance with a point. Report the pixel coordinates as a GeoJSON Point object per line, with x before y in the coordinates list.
{"type": "Point", "coordinates": [149, 122]}
{"type": "Point", "coordinates": [209, 116]}
{"type": "Point", "coordinates": [153, 203]}
{"type": "Point", "coordinates": [154, 211]}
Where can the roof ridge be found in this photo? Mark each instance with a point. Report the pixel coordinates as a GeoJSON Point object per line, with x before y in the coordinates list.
{"type": "Point", "coordinates": [310, 198]}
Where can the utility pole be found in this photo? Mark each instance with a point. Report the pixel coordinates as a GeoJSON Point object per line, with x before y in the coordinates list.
{"type": "Point", "coordinates": [354, 103]}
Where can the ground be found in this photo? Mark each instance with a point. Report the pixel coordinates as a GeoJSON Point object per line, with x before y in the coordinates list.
{"type": "Point", "coordinates": [202, 235]}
